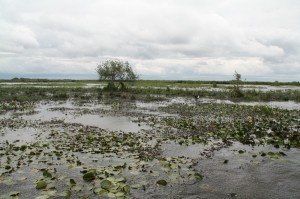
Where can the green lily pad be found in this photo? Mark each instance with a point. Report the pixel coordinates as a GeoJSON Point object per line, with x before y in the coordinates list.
{"type": "Point", "coordinates": [263, 154]}
{"type": "Point", "coordinates": [241, 151]}
{"type": "Point", "coordinates": [42, 197]}
{"type": "Point", "coordinates": [282, 153]}
{"type": "Point", "coordinates": [97, 190]}
{"type": "Point", "coordinates": [47, 174]}
{"type": "Point", "coordinates": [162, 182]}
{"type": "Point", "coordinates": [72, 182]}
{"type": "Point", "coordinates": [120, 194]}
{"type": "Point", "coordinates": [14, 193]}
{"type": "Point", "coordinates": [76, 188]}
{"type": "Point", "coordinates": [23, 147]}
{"type": "Point", "coordinates": [173, 167]}
{"type": "Point", "coordinates": [126, 189]}
{"type": "Point", "coordinates": [47, 194]}
{"type": "Point", "coordinates": [89, 176]}
{"type": "Point", "coordinates": [198, 176]}
{"type": "Point", "coordinates": [41, 185]}
{"type": "Point", "coordinates": [66, 194]}
{"type": "Point", "coordinates": [106, 184]}
{"type": "Point", "coordinates": [136, 186]}
{"type": "Point", "coordinates": [121, 179]}
{"type": "Point", "coordinates": [111, 195]}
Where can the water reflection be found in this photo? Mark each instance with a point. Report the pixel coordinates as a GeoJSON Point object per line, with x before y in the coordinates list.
{"type": "Point", "coordinates": [290, 105]}
{"type": "Point", "coordinates": [112, 123]}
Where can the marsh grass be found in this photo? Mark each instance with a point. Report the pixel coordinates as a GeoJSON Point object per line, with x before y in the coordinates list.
{"type": "Point", "coordinates": [142, 90]}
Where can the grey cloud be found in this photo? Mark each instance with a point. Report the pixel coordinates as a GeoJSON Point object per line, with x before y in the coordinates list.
{"type": "Point", "coordinates": [160, 37]}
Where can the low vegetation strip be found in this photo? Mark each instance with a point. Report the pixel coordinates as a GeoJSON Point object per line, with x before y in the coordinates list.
{"type": "Point", "coordinates": [139, 91]}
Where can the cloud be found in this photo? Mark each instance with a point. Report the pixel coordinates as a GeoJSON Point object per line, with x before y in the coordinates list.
{"type": "Point", "coordinates": [166, 39]}
{"type": "Point", "coordinates": [16, 38]}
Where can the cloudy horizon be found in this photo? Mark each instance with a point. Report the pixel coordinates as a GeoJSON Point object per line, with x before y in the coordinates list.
{"type": "Point", "coordinates": [167, 39]}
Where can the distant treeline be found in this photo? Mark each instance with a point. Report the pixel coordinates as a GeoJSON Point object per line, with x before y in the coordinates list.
{"type": "Point", "coordinates": [43, 80]}
{"type": "Point", "coordinates": [149, 82]}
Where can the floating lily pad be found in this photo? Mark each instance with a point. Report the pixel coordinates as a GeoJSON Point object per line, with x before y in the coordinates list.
{"type": "Point", "coordinates": [198, 176]}
{"type": "Point", "coordinates": [76, 188]}
{"type": "Point", "coordinates": [23, 147]}
{"type": "Point", "coordinates": [126, 189]}
{"type": "Point", "coordinates": [72, 182]}
{"type": "Point", "coordinates": [41, 185]}
{"type": "Point", "coordinates": [120, 194]}
{"type": "Point", "coordinates": [67, 194]}
{"type": "Point", "coordinates": [120, 179]}
{"type": "Point", "coordinates": [14, 193]}
{"type": "Point", "coordinates": [47, 174]}
{"type": "Point", "coordinates": [241, 151]}
{"type": "Point", "coordinates": [43, 197]}
{"type": "Point", "coordinates": [89, 176]}
{"type": "Point", "coordinates": [136, 186]}
{"type": "Point", "coordinates": [106, 184]}
{"type": "Point", "coordinates": [111, 195]}
{"type": "Point", "coordinates": [162, 182]}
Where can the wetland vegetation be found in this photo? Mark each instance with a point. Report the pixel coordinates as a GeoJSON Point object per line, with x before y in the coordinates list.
{"type": "Point", "coordinates": [77, 139]}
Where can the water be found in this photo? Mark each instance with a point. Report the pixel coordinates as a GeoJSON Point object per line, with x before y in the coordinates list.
{"type": "Point", "coordinates": [248, 177]}
{"type": "Point", "coordinates": [112, 123]}
{"type": "Point", "coordinates": [19, 136]}
{"type": "Point", "coordinates": [173, 149]}
{"type": "Point", "coordinates": [290, 105]}
{"type": "Point", "coordinates": [241, 177]}
{"type": "Point", "coordinates": [70, 113]}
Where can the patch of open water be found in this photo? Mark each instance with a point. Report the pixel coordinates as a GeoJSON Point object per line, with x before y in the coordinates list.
{"type": "Point", "coordinates": [290, 105]}
{"type": "Point", "coordinates": [247, 177]}
{"type": "Point", "coordinates": [19, 136]}
{"type": "Point", "coordinates": [113, 123]}
{"type": "Point", "coordinates": [70, 113]}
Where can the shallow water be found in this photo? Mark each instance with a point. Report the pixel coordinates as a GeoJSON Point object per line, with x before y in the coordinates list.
{"type": "Point", "coordinates": [290, 105]}
{"type": "Point", "coordinates": [113, 123]}
{"type": "Point", "coordinates": [221, 87]}
{"type": "Point", "coordinates": [173, 149]}
{"type": "Point", "coordinates": [241, 177]}
{"type": "Point", "coordinates": [71, 113]}
{"type": "Point", "coordinates": [19, 136]}
{"type": "Point", "coordinates": [248, 177]}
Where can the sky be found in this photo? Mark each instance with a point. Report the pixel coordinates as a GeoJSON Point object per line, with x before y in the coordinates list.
{"type": "Point", "coordinates": [161, 39]}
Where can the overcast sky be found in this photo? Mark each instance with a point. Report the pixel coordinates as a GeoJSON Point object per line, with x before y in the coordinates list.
{"type": "Point", "coordinates": [162, 39]}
